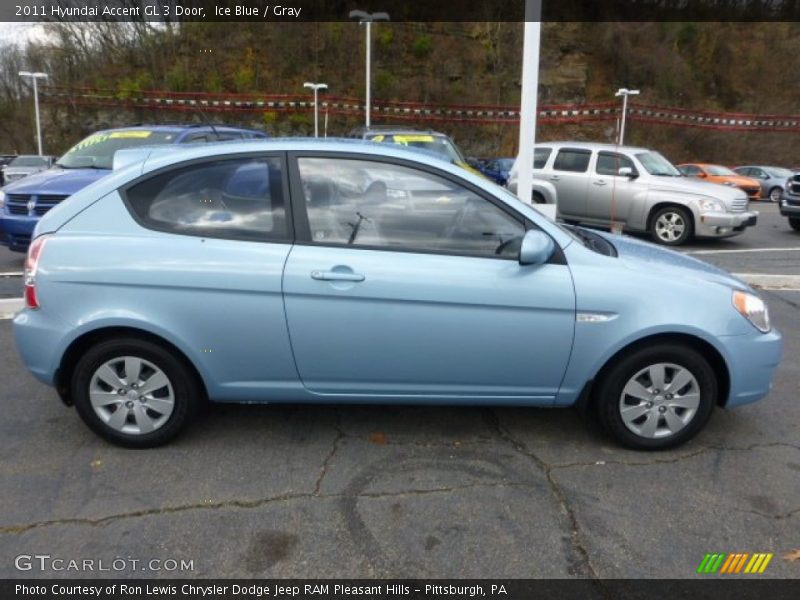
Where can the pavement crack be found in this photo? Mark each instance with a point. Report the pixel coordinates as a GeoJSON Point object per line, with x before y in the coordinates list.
{"type": "Point", "coordinates": [779, 517]}
{"type": "Point", "coordinates": [583, 565]}
{"type": "Point", "coordinates": [334, 447]}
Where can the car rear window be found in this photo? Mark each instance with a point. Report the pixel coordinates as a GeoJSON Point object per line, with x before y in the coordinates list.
{"type": "Point", "coordinates": [576, 161]}
{"type": "Point", "coordinates": [233, 199]}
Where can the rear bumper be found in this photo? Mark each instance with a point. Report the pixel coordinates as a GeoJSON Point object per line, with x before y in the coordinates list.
{"type": "Point", "coordinates": [752, 360]}
{"type": "Point", "coordinates": [39, 339]}
{"type": "Point", "coordinates": [724, 224]}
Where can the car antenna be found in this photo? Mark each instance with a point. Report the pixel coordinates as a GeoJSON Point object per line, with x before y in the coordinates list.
{"type": "Point", "coordinates": [209, 123]}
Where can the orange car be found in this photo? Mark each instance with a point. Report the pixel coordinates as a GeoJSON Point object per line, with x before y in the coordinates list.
{"type": "Point", "coordinates": [723, 175]}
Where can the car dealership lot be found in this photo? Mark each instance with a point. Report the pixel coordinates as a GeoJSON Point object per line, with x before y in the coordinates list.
{"type": "Point", "coordinates": [411, 491]}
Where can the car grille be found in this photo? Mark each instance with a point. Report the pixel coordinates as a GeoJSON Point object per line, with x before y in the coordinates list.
{"type": "Point", "coordinates": [752, 192]}
{"type": "Point", "coordinates": [18, 203]}
{"type": "Point", "coordinates": [739, 205]}
{"type": "Point", "coordinates": [794, 185]}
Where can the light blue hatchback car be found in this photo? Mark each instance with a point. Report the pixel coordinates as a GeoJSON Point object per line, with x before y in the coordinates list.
{"type": "Point", "coordinates": [302, 271]}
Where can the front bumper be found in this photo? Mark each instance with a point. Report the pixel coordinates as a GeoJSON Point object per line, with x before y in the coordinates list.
{"type": "Point", "coordinates": [18, 231]}
{"type": "Point", "coordinates": [752, 360]}
{"type": "Point", "coordinates": [790, 206]}
{"type": "Point", "coordinates": [724, 224]}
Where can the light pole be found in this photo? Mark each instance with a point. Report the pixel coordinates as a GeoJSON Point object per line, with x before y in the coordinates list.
{"type": "Point", "coordinates": [35, 77]}
{"type": "Point", "coordinates": [367, 19]}
{"type": "Point", "coordinates": [316, 87]}
{"type": "Point", "coordinates": [624, 92]}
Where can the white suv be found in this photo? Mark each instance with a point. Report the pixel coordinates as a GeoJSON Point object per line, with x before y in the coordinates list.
{"type": "Point", "coordinates": [638, 190]}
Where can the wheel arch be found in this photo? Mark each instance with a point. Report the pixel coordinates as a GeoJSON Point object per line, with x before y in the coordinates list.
{"type": "Point", "coordinates": [86, 340]}
{"type": "Point", "coordinates": [668, 204]}
{"type": "Point", "coordinates": [706, 349]}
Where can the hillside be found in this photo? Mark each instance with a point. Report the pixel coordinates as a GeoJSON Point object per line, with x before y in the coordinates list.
{"type": "Point", "coordinates": [741, 67]}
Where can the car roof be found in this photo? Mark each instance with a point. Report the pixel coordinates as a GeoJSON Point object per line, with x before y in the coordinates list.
{"type": "Point", "coordinates": [175, 127]}
{"type": "Point", "coordinates": [593, 146]}
{"type": "Point", "coordinates": [391, 129]}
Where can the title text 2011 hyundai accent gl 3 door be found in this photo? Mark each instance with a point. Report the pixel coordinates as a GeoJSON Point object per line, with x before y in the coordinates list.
{"type": "Point", "coordinates": [302, 271]}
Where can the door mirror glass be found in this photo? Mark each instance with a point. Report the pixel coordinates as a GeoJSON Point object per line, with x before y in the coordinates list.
{"type": "Point", "coordinates": [537, 248]}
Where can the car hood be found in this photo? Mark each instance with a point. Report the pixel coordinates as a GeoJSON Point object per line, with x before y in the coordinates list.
{"type": "Point", "coordinates": [694, 186]}
{"type": "Point", "coordinates": [644, 256]}
{"type": "Point", "coordinates": [56, 181]}
{"type": "Point", "coordinates": [736, 180]}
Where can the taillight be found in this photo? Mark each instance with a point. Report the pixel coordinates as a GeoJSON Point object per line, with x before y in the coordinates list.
{"type": "Point", "coordinates": [31, 266]}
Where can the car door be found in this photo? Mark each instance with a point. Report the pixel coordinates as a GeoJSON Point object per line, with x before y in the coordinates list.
{"type": "Point", "coordinates": [569, 175]}
{"type": "Point", "coordinates": [405, 284]}
{"type": "Point", "coordinates": [613, 197]}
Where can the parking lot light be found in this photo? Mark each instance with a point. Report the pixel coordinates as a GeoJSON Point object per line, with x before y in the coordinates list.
{"type": "Point", "coordinates": [367, 19]}
{"type": "Point", "coordinates": [624, 92]}
{"type": "Point", "coordinates": [35, 77]}
{"type": "Point", "coordinates": [316, 87]}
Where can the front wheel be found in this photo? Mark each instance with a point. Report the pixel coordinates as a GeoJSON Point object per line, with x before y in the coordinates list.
{"type": "Point", "coordinates": [775, 194]}
{"type": "Point", "coordinates": [794, 223]}
{"type": "Point", "coordinates": [134, 392]}
{"type": "Point", "coordinates": [672, 226]}
{"type": "Point", "coordinates": [657, 398]}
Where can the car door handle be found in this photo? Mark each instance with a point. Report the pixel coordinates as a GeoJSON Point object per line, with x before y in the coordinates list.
{"type": "Point", "coordinates": [554, 177]}
{"type": "Point", "coordinates": [336, 276]}
{"type": "Point", "coordinates": [599, 182]}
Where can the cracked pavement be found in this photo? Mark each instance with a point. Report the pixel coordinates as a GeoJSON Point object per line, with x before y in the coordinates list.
{"type": "Point", "coordinates": [386, 491]}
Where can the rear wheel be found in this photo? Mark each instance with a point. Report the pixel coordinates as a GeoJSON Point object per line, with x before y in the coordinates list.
{"type": "Point", "coordinates": [134, 393]}
{"type": "Point", "coordinates": [775, 194]}
{"type": "Point", "coordinates": [658, 397]}
{"type": "Point", "coordinates": [672, 226]}
{"type": "Point", "coordinates": [794, 223]}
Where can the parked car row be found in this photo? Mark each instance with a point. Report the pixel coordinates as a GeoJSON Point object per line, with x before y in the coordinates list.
{"type": "Point", "coordinates": [24, 200]}
{"type": "Point", "coordinates": [638, 190]}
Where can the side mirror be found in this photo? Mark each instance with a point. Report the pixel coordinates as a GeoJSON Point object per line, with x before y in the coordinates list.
{"type": "Point", "coordinates": [701, 175]}
{"type": "Point", "coordinates": [536, 249]}
{"type": "Point", "coordinates": [626, 172]}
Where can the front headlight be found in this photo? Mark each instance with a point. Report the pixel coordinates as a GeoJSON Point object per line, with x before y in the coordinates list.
{"type": "Point", "coordinates": [752, 308]}
{"type": "Point", "coordinates": [711, 205]}
{"type": "Point", "coordinates": [2, 198]}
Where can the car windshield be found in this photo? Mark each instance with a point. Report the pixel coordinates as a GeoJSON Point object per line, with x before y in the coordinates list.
{"type": "Point", "coordinates": [779, 172]}
{"type": "Point", "coordinates": [721, 171]}
{"type": "Point", "coordinates": [29, 161]}
{"type": "Point", "coordinates": [439, 144]}
{"type": "Point", "coordinates": [97, 150]}
{"type": "Point", "coordinates": [655, 164]}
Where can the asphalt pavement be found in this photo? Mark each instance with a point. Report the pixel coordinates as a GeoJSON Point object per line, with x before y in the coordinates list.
{"type": "Point", "coordinates": [311, 491]}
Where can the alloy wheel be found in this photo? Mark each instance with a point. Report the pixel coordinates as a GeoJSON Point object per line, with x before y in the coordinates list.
{"type": "Point", "coordinates": [659, 400]}
{"type": "Point", "coordinates": [131, 395]}
{"type": "Point", "coordinates": [670, 226]}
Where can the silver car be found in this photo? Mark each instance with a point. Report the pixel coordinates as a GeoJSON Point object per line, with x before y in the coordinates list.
{"type": "Point", "coordinates": [26, 164]}
{"type": "Point", "coordinates": [637, 189]}
{"type": "Point", "coordinates": [772, 179]}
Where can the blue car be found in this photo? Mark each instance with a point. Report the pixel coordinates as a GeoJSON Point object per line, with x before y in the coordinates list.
{"type": "Point", "coordinates": [23, 203]}
{"type": "Point", "coordinates": [302, 271]}
{"type": "Point", "coordinates": [497, 169]}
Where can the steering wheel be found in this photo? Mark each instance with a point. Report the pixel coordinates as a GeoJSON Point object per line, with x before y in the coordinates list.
{"type": "Point", "coordinates": [506, 244]}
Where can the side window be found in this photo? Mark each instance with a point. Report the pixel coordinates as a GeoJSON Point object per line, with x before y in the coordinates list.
{"type": "Point", "coordinates": [236, 199]}
{"type": "Point", "coordinates": [576, 161]}
{"type": "Point", "coordinates": [197, 138]}
{"type": "Point", "coordinates": [374, 204]}
{"type": "Point", "coordinates": [540, 156]}
{"type": "Point", "coordinates": [609, 163]}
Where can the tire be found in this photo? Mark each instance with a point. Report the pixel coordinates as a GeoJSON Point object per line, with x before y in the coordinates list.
{"type": "Point", "coordinates": [154, 418]}
{"type": "Point", "coordinates": [794, 223]}
{"type": "Point", "coordinates": [656, 421]}
{"type": "Point", "coordinates": [672, 226]}
{"type": "Point", "coordinates": [775, 194]}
